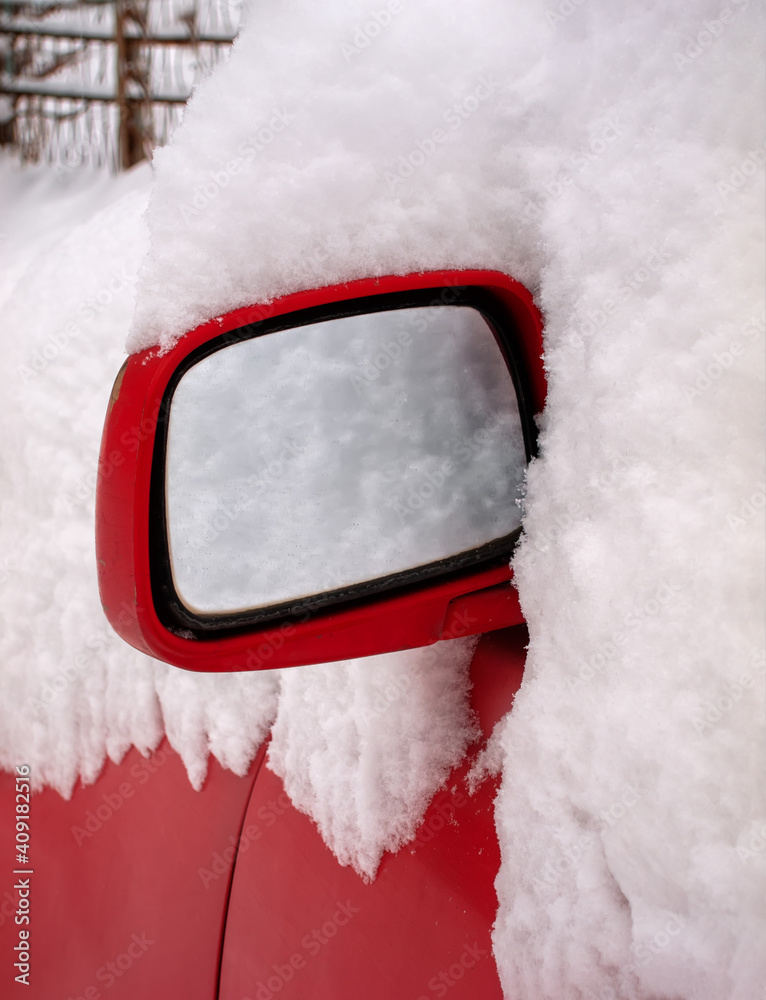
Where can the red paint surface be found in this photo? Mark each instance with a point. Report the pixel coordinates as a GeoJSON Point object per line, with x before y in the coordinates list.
{"type": "Point", "coordinates": [114, 868]}
{"type": "Point", "coordinates": [301, 926]}
{"type": "Point", "coordinates": [417, 617]}
{"type": "Point", "coordinates": [134, 870]}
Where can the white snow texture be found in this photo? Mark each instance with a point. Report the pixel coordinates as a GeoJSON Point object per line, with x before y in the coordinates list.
{"type": "Point", "coordinates": [73, 693]}
{"type": "Point", "coordinates": [611, 157]}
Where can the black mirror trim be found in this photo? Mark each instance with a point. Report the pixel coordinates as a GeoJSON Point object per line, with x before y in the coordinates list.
{"type": "Point", "coordinates": [179, 619]}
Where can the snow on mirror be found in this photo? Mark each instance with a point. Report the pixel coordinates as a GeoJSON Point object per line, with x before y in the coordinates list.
{"type": "Point", "coordinates": [341, 452]}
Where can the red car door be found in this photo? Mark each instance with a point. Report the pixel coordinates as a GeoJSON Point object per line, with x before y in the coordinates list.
{"type": "Point", "coordinates": [299, 925]}
{"type": "Point", "coordinates": [115, 893]}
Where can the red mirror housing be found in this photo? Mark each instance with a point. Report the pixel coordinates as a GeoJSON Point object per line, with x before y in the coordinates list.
{"type": "Point", "coordinates": [457, 603]}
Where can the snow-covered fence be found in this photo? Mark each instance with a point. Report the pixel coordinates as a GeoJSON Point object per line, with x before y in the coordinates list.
{"type": "Point", "coordinates": [103, 81]}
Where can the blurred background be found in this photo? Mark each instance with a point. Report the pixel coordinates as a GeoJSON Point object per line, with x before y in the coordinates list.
{"type": "Point", "coordinates": [101, 82]}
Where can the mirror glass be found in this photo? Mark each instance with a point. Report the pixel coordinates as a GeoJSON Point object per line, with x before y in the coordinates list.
{"type": "Point", "coordinates": [332, 454]}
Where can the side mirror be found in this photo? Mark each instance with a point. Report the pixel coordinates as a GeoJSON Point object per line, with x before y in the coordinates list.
{"type": "Point", "coordinates": [331, 475]}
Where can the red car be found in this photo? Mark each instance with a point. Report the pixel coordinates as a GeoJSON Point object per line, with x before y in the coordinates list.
{"type": "Point", "coordinates": [400, 416]}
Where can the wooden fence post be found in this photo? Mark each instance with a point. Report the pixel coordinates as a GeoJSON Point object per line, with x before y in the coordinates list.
{"type": "Point", "coordinates": [133, 96]}
{"type": "Point", "coordinates": [132, 42]}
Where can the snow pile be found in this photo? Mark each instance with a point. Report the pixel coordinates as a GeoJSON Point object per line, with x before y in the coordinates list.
{"type": "Point", "coordinates": [636, 748]}
{"type": "Point", "coordinates": [362, 745]}
{"type": "Point", "coordinates": [73, 693]}
{"type": "Point", "coordinates": [342, 141]}
{"type": "Point", "coordinates": [607, 156]}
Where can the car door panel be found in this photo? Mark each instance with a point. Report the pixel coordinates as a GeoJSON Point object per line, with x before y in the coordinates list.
{"type": "Point", "coordinates": [128, 881]}
{"type": "Point", "coordinates": [302, 926]}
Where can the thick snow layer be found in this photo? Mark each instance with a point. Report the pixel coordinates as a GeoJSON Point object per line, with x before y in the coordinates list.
{"type": "Point", "coordinates": [609, 156]}
{"type": "Point", "coordinates": [342, 141]}
{"type": "Point", "coordinates": [362, 745]}
{"type": "Point", "coordinates": [73, 693]}
{"type": "Point", "coordinates": [636, 747]}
